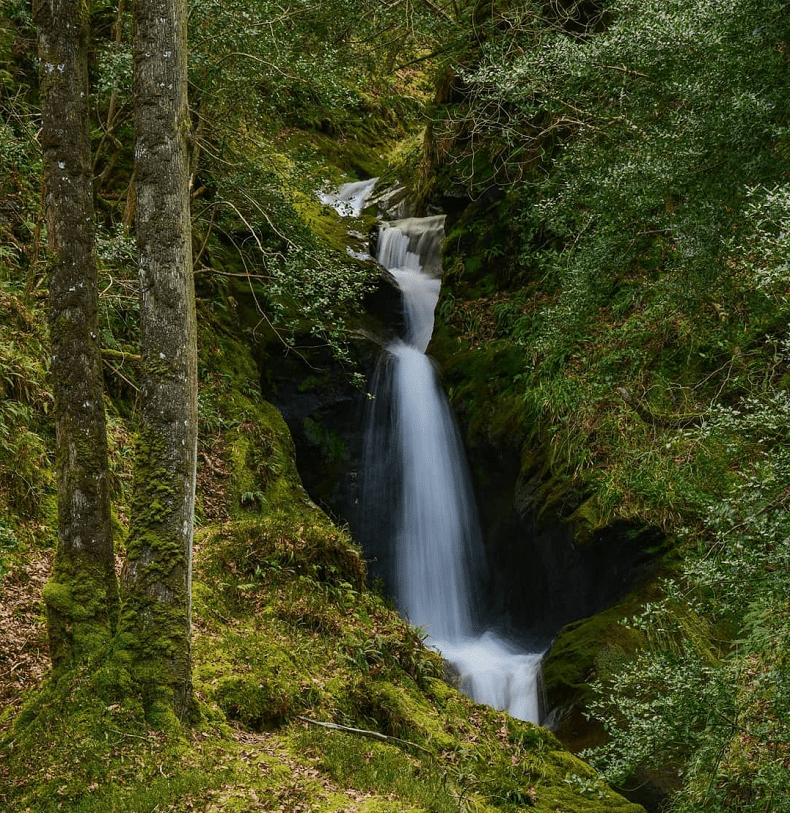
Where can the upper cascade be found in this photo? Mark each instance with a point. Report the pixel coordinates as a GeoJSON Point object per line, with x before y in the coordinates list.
{"type": "Point", "coordinates": [414, 243]}
{"type": "Point", "coordinates": [349, 200]}
{"type": "Point", "coordinates": [411, 250]}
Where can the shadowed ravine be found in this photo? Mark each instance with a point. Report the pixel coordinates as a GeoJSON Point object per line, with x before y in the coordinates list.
{"type": "Point", "coordinates": [421, 515]}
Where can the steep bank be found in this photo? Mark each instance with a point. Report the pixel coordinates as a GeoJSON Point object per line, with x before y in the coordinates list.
{"type": "Point", "coordinates": [615, 306]}
{"type": "Point", "coordinates": [284, 628]}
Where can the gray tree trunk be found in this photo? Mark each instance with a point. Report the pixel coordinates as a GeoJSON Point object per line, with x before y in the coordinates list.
{"type": "Point", "coordinates": [81, 595]}
{"type": "Point", "coordinates": [156, 582]}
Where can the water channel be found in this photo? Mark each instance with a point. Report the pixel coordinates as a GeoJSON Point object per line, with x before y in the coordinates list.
{"type": "Point", "coordinates": [417, 485]}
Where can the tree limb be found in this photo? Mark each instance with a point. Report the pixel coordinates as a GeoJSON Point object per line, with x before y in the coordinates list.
{"type": "Point", "coordinates": [362, 732]}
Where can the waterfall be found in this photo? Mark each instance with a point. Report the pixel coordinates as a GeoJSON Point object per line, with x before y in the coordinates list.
{"type": "Point", "coordinates": [421, 516]}
{"type": "Point", "coordinates": [349, 200]}
{"type": "Point", "coordinates": [436, 529]}
{"type": "Point", "coordinates": [402, 245]}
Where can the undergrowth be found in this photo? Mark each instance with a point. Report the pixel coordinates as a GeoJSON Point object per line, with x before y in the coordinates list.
{"type": "Point", "coordinates": [618, 291]}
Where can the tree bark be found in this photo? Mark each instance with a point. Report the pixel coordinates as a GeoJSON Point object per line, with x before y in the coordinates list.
{"type": "Point", "coordinates": [156, 582]}
{"type": "Point", "coordinates": [82, 594]}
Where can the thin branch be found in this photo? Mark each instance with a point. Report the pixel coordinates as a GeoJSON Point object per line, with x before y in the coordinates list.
{"type": "Point", "coordinates": [623, 69]}
{"type": "Point", "coordinates": [206, 239]}
{"type": "Point", "coordinates": [260, 60]}
{"type": "Point", "coordinates": [267, 218]}
{"type": "Point", "coordinates": [129, 734]}
{"type": "Point", "coordinates": [116, 371]}
{"type": "Point", "coordinates": [362, 732]}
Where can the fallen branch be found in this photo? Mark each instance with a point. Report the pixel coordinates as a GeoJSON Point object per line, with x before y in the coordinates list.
{"type": "Point", "coordinates": [362, 732]}
{"type": "Point", "coordinates": [119, 355]}
{"type": "Point", "coordinates": [129, 734]}
{"type": "Point", "coordinates": [220, 616]}
{"type": "Point", "coordinates": [12, 669]}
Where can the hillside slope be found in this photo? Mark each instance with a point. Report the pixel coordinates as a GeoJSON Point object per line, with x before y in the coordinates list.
{"type": "Point", "coordinates": [286, 631]}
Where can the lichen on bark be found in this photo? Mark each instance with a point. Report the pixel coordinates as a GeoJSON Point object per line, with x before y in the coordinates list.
{"type": "Point", "coordinates": [156, 581]}
{"type": "Point", "coordinates": [82, 597]}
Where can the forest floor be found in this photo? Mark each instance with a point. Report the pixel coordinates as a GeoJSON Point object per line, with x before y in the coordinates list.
{"type": "Point", "coordinates": [24, 653]}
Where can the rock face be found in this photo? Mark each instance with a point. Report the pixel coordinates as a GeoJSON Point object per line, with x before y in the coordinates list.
{"type": "Point", "coordinates": [324, 411]}
{"type": "Point", "coordinates": [545, 568]}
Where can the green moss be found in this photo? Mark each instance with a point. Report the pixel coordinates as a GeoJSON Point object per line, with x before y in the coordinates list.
{"type": "Point", "coordinates": [261, 700]}
{"type": "Point", "coordinates": [587, 519]}
{"type": "Point", "coordinates": [283, 626]}
{"type": "Point", "coordinates": [58, 596]}
{"type": "Point", "coordinates": [286, 543]}
{"type": "Point", "coordinates": [81, 613]}
{"type": "Point", "coordinates": [405, 707]}
{"type": "Point", "coordinates": [384, 770]}
{"type": "Point", "coordinates": [259, 448]}
{"type": "Point", "coordinates": [481, 385]}
{"type": "Point", "coordinates": [67, 775]}
{"type": "Point", "coordinates": [584, 645]}
{"type": "Point", "coordinates": [153, 492]}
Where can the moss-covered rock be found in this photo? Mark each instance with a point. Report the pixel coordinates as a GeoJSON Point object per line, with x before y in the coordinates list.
{"type": "Point", "coordinates": [586, 650]}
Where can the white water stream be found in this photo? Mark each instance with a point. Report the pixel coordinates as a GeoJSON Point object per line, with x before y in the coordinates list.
{"type": "Point", "coordinates": [349, 200]}
{"type": "Point", "coordinates": [438, 548]}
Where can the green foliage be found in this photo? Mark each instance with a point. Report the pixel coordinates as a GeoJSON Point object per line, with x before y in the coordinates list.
{"type": "Point", "coordinates": [333, 446]}
{"type": "Point", "coordinates": [285, 543]}
{"type": "Point", "coordinates": [635, 165]}
{"type": "Point", "coordinates": [287, 96]}
{"type": "Point", "coordinates": [264, 698]}
{"type": "Point", "coordinates": [25, 404]}
{"type": "Point", "coordinates": [598, 645]}
{"type": "Point", "coordinates": [635, 162]}
{"type": "Point", "coordinates": [720, 717]}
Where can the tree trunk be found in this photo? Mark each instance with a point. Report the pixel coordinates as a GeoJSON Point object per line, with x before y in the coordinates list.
{"type": "Point", "coordinates": [156, 582]}
{"type": "Point", "coordinates": [81, 595]}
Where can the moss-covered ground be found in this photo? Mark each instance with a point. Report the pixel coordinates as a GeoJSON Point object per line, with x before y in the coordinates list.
{"type": "Point", "coordinates": [284, 629]}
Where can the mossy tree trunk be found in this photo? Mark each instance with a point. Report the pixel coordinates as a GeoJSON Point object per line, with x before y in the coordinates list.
{"type": "Point", "coordinates": [156, 582]}
{"type": "Point", "coordinates": [81, 595]}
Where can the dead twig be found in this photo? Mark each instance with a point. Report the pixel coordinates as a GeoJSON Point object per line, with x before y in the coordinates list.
{"type": "Point", "coordinates": [363, 732]}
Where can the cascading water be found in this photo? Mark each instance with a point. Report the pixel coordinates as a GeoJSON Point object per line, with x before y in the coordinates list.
{"type": "Point", "coordinates": [350, 199]}
{"type": "Point", "coordinates": [423, 519]}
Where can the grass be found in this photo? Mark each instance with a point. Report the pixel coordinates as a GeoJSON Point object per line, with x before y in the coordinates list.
{"type": "Point", "coordinates": [373, 767]}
